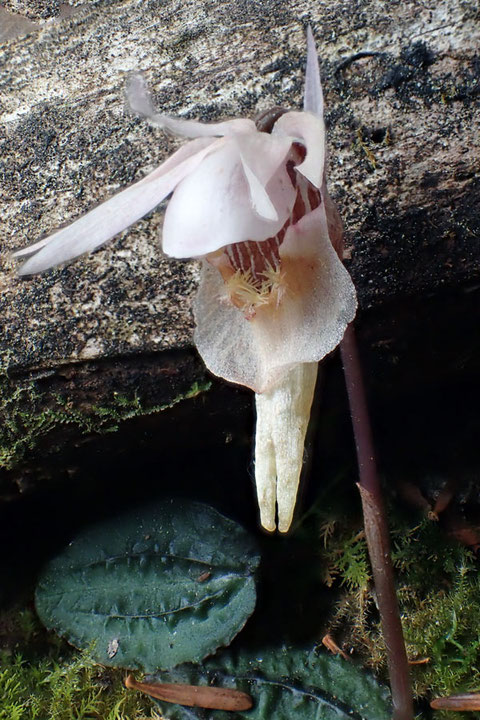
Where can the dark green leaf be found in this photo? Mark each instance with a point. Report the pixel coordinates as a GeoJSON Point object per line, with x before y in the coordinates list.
{"type": "Point", "coordinates": [154, 588]}
{"type": "Point", "coordinates": [285, 684]}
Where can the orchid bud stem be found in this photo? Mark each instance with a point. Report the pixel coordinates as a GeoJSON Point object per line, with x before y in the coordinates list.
{"type": "Point", "coordinates": [376, 531]}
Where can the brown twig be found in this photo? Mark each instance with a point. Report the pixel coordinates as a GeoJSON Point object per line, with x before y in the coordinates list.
{"type": "Point", "coordinates": [376, 531]}
{"type": "Point", "coordinates": [203, 696]}
{"type": "Point", "coordinates": [465, 702]}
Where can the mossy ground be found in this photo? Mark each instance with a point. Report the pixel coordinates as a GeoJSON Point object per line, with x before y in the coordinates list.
{"type": "Point", "coordinates": [438, 587]}
{"type": "Point", "coordinates": [438, 590]}
{"type": "Point", "coordinates": [40, 675]}
{"type": "Point", "coordinates": [66, 686]}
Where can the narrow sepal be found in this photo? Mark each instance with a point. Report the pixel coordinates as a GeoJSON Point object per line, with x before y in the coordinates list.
{"type": "Point", "coordinates": [313, 97]}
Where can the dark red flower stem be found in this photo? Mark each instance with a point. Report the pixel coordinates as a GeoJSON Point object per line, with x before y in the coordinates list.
{"type": "Point", "coordinates": [376, 531]}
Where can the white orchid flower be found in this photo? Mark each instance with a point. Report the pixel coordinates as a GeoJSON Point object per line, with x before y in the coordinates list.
{"type": "Point", "coordinates": [274, 297]}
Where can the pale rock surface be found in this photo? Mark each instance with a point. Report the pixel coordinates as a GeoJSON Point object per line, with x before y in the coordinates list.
{"type": "Point", "coordinates": [401, 85]}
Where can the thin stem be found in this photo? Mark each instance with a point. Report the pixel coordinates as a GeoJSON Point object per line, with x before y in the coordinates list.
{"type": "Point", "coordinates": [376, 531]}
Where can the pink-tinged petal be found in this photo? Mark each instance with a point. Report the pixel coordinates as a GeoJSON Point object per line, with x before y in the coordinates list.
{"type": "Point", "coordinates": [111, 217]}
{"type": "Point", "coordinates": [212, 207]}
{"type": "Point", "coordinates": [308, 129]}
{"type": "Point", "coordinates": [282, 194]}
{"type": "Point", "coordinates": [313, 97]}
{"type": "Point", "coordinates": [318, 303]}
{"type": "Point", "coordinates": [31, 249]}
{"type": "Point", "coordinates": [140, 102]}
{"type": "Point", "coordinates": [261, 156]}
{"type": "Point", "coordinates": [259, 199]}
{"type": "Point", "coordinates": [262, 153]}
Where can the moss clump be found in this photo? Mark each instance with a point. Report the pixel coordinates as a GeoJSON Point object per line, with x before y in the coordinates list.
{"type": "Point", "coordinates": [439, 595]}
{"type": "Point", "coordinates": [438, 587]}
{"type": "Point", "coordinates": [42, 677]}
{"type": "Point", "coordinates": [66, 689]}
{"type": "Point", "coordinates": [27, 417]}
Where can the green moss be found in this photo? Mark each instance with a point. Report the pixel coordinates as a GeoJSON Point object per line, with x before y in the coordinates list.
{"type": "Point", "coordinates": [439, 594]}
{"type": "Point", "coordinates": [28, 417]}
{"type": "Point", "coordinates": [42, 677]}
{"type": "Point", "coordinates": [66, 689]}
{"type": "Point", "coordinates": [438, 587]}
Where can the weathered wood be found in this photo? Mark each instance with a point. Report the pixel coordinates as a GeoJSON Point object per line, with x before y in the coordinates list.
{"type": "Point", "coordinates": [401, 83]}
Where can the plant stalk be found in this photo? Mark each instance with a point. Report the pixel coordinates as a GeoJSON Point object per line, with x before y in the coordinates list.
{"type": "Point", "coordinates": [376, 531]}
